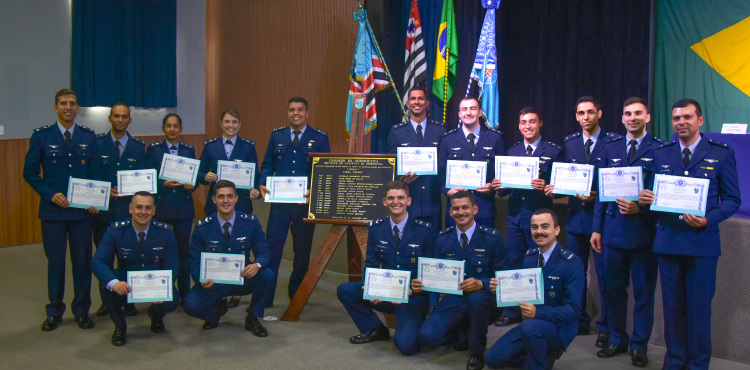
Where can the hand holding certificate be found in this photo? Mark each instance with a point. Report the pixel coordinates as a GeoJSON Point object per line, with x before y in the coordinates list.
{"type": "Point", "coordinates": [516, 172]}
{"type": "Point", "coordinates": [150, 286]}
{"type": "Point", "coordinates": [620, 182]}
{"type": "Point", "coordinates": [516, 286]}
{"type": "Point", "coordinates": [242, 174]}
{"type": "Point", "coordinates": [286, 189]}
{"type": "Point", "coordinates": [465, 174]}
{"type": "Point", "coordinates": [678, 194]}
{"type": "Point", "coordinates": [84, 193]}
{"type": "Point", "coordinates": [131, 182]}
{"type": "Point", "coordinates": [442, 276]}
{"type": "Point", "coordinates": [387, 285]}
{"type": "Point", "coordinates": [571, 179]}
{"type": "Point", "coordinates": [181, 169]}
{"type": "Point", "coordinates": [418, 161]}
{"type": "Point", "coordinates": [222, 268]}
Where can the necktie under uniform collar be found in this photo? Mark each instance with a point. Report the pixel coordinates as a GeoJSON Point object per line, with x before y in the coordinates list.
{"type": "Point", "coordinates": [471, 137]}
{"type": "Point", "coordinates": [633, 148]}
{"type": "Point", "coordinates": [420, 136]}
{"type": "Point", "coordinates": [686, 156]}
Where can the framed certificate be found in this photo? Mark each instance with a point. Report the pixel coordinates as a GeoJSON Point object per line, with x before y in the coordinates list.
{"type": "Point", "coordinates": [387, 285]}
{"type": "Point", "coordinates": [516, 172]}
{"type": "Point", "coordinates": [465, 174]}
{"type": "Point", "coordinates": [286, 189]}
{"type": "Point", "coordinates": [442, 276]}
{"type": "Point", "coordinates": [418, 161]}
{"type": "Point", "coordinates": [84, 193]}
{"type": "Point", "coordinates": [150, 286]}
{"type": "Point", "coordinates": [678, 194]}
{"type": "Point", "coordinates": [620, 182]}
{"type": "Point", "coordinates": [131, 182]}
{"type": "Point", "coordinates": [570, 178]}
{"type": "Point", "coordinates": [181, 169]}
{"type": "Point", "coordinates": [242, 174]}
{"type": "Point", "coordinates": [222, 268]}
{"type": "Point", "coordinates": [516, 286]}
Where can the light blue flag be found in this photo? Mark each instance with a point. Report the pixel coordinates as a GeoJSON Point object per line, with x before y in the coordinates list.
{"type": "Point", "coordinates": [483, 80]}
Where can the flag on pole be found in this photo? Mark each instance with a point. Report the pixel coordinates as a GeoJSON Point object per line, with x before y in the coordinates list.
{"type": "Point", "coordinates": [447, 54]}
{"type": "Point", "coordinates": [483, 80]}
{"type": "Point", "coordinates": [416, 61]}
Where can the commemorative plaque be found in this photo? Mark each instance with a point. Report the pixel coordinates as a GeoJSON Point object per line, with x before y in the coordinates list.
{"type": "Point", "coordinates": [349, 187]}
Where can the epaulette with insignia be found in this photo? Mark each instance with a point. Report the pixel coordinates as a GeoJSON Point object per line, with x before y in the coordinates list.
{"type": "Point", "coordinates": [532, 251]}
{"type": "Point", "coordinates": [86, 128]}
{"type": "Point", "coordinates": [402, 124]}
{"type": "Point", "coordinates": [376, 222]}
{"type": "Point", "coordinates": [667, 144]}
{"type": "Point", "coordinates": [248, 141]}
{"type": "Point", "coordinates": [210, 141]}
{"type": "Point", "coordinates": [488, 230]}
{"type": "Point", "coordinates": [42, 128]}
{"type": "Point", "coordinates": [496, 131]}
{"type": "Point", "coordinates": [555, 145]}
{"type": "Point", "coordinates": [446, 230]}
{"type": "Point", "coordinates": [161, 225]}
{"type": "Point", "coordinates": [449, 132]}
{"type": "Point", "coordinates": [659, 140]}
{"type": "Point", "coordinates": [320, 131]}
{"type": "Point", "coordinates": [205, 221]}
{"type": "Point", "coordinates": [515, 145]}
{"type": "Point", "coordinates": [120, 224]}
{"type": "Point", "coordinates": [101, 135]}
{"type": "Point", "coordinates": [185, 145]}
{"type": "Point", "coordinates": [137, 140]}
{"type": "Point", "coordinates": [422, 223]}
{"type": "Point", "coordinates": [439, 123]}
{"type": "Point", "coordinates": [153, 145]}
{"type": "Point", "coordinates": [279, 128]}
{"type": "Point", "coordinates": [719, 143]}
{"type": "Point", "coordinates": [572, 136]}
{"type": "Point", "coordinates": [566, 254]}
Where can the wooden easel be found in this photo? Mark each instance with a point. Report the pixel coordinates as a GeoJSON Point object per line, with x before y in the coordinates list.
{"type": "Point", "coordinates": [359, 143]}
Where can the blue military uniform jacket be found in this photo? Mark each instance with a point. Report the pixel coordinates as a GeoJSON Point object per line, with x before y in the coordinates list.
{"type": "Point", "coordinates": [563, 290]}
{"type": "Point", "coordinates": [247, 235]}
{"type": "Point", "coordinates": [48, 153]}
{"type": "Point", "coordinates": [121, 240]}
{"type": "Point", "coordinates": [171, 203]}
{"type": "Point", "coordinates": [132, 158]}
{"type": "Point", "coordinates": [523, 203]}
{"type": "Point", "coordinates": [425, 190]}
{"type": "Point", "coordinates": [485, 254]}
{"type": "Point", "coordinates": [455, 146]}
{"type": "Point", "coordinates": [382, 251]}
{"type": "Point", "coordinates": [213, 152]}
{"type": "Point", "coordinates": [581, 214]}
{"type": "Point", "coordinates": [714, 161]}
{"type": "Point", "coordinates": [632, 231]}
{"type": "Point", "coordinates": [283, 159]}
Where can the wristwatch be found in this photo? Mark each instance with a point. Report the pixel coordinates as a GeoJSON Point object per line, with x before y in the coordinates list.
{"type": "Point", "coordinates": [258, 264]}
{"type": "Point", "coordinates": [481, 284]}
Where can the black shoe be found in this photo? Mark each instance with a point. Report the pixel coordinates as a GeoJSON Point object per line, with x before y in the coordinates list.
{"type": "Point", "coordinates": [129, 309]}
{"type": "Point", "coordinates": [476, 362]}
{"type": "Point", "coordinates": [505, 321]}
{"type": "Point", "coordinates": [602, 340]}
{"type": "Point", "coordinates": [50, 323]}
{"type": "Point", "coordinates": [584, 330]}
{"type": "Point", "coordinates": [639, 358]}
{"type": "Point", "coordinates": [612, 350]}
{"type": "Point", "coordinates": [379, 333]}
{"type": "Point", "coordinates": [157, 324]}
{"type": "Point", "coordinates": [84, 322]}
{"type": "Point", "coordinates": [119, 337]}
{"type": "Point", "coordinates": [233, 302]}
{"type": "Point", "coordinates": [101, 311]}
{"type": "Point", "coordinates": [252, 324]}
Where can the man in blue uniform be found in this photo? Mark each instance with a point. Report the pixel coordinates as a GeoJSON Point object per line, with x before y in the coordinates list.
{"type": "Point", "coordinates": [142, 245]}
{"type": "Point", "coordinates": [119, 152]}
{"type": "Point", "coordinates": [286, 155]}
{"type": "Point", "coordinates": [688, 246]}
{"type": "Point", "coordinates": [549, 328]}
{"type": "Point", "coordinates": [395, 243]}
{"type": "Point", "coordinates": [625, 234]}
{"type": "Point", "coordinates": [482, 250]}
{"type": "Point", "coordinates": [229, 231]}
{"type": "Point", "coordinates": [523, 203]}
{"type": "Point", "coordinates": [419, 132]}
{"type": "Point", "coordinates": [472, 142]}
{"type": "Point", "coordinates": [585, 148]}
{"type": "Point", "coordinates": [63, 150]}
{"type": "Point", "coordinates": [174, 201]}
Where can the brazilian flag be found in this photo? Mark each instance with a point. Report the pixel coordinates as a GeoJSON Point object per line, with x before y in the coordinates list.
{"type": "Point", "coordinates": [444, 78]}
{"type": "Point", "coordinates": [703, 53]}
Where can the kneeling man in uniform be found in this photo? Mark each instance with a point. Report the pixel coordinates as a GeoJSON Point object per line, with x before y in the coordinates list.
{"type": "Point", "coordinates": [142, 244]}
{"type": "Point", "coordinates": [230, 232]}
{"type": "Point", "coordinates": [548, 328]}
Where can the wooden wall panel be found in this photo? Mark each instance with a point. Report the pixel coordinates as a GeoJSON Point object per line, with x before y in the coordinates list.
{"type": "Point", "coordinates": [261, 53]}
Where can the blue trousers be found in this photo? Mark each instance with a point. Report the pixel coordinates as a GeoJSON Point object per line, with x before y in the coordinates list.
{"type": "Point", "coordinates": [580, 244]}
{"type": "Point", "coordinates": [471, 313]}
{"type": "Point", "coordinates": [279, 221]}
{"type": "Point", "coordinates": [621, 265]}
{"type": "Point", "coordinates": [182, 229]}
{"type": "Point", "coordinates": [528, 345]}
{"type": "Point", "coordinates": [688, 285]}
{"type": "Point", "coordinates": [519, 241]}
{"type": "Point", "coordinates": [114, 302]}
{"type": "Point", "coordinates": [409, 316]}
{"type": "Point", "coordinates": [55, 237]}
{"type": "Point", "coordinates": [488, 222]}
{"type": "Point", "coordinates": [204, 303]}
